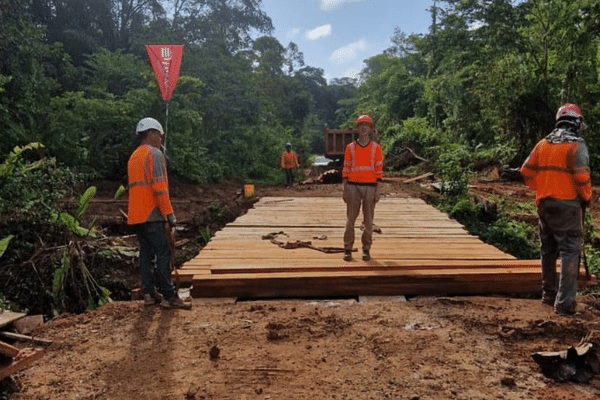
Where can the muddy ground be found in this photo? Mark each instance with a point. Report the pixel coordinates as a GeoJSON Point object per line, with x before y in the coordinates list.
{"type": "Point", "coordinates": [366, 348]}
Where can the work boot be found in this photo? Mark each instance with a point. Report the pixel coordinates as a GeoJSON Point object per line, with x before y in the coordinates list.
{"type": "Point", "coordinates": [176, 302]}
{"type": "Point", "coordinates": [566, 311]}
{"type": "Point", "coordinates": [548, 300]}
{"type": "Point", "coordinates": [152, 299]}
{"type": "Point", "coordinates": [366, 255]}
{"type": "Point", "coordinates": [560, 311]}
{"type": "Point", "coordinates": [347, 255]}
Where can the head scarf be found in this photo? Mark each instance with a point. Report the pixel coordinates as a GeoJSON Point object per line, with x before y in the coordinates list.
{"type": "Point", "coordinates": [562, 135]}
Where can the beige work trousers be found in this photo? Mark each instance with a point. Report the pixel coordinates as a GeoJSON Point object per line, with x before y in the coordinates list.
{"type": "Point", "coordinates": [355, 196]}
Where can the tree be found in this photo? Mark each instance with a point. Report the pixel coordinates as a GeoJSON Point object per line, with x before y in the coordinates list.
{"type": "Point", "coordinates": [293, 58]}
{"type": "Point", "coordinates": [224, 22]}
{"type": "Point", "coordinates": [30, 71]}
{"type": "Point", "coordinates": [268, 57]}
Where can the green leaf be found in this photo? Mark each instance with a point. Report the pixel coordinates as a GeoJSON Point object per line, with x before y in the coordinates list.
{"type": "Point", "coordinates": [59, 278]}
{"type": "Point", "coordinates": [83, 232]}
{"type": "Point", "coordinates": [9, 164]}
{"type": "Point", "coordinates": [4, 244]}
{"type": "Point", "coordinates": [70, 222]}
{"type": "Point", "coordinates": [104, 297]}
{"type": "Point", "coordinates": [85, 200]}
{"type": "Point", "coordinates": [122, 189]}
{"type": "Point", "coordinates": [126, 251]}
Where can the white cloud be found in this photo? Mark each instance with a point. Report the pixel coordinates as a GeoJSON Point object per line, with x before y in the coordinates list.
{"type": "Point", "coordinates": [348, 52]}
{"type": "Point", "coordinates": [328, 5]}
{"type": "Point", "coordinates": [290, 35]}
{"type": "Point", "coordinates": [319, 32]}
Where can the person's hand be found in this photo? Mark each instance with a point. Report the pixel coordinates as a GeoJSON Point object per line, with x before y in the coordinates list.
{"type": "Point", "coordinates": [377, 196]}
{"type": "Point", "coordinates": [171, 220]}
{"type": "Point", "coordinates": [344, 191]}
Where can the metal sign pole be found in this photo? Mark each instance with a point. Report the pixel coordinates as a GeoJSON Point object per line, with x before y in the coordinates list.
{"type": "Point", "coordinates": [166, 126]}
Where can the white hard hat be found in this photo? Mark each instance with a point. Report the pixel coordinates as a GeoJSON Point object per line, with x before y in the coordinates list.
{"type": "Point", "coordinates": [148, 123]}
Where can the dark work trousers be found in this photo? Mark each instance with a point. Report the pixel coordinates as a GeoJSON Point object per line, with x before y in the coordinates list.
{"type": "Point", "coordinates": [153, 242]}
{"type": "Point", "coordinates": [289, 176]}
{"type": "Point", "coordinates": [560, 228]}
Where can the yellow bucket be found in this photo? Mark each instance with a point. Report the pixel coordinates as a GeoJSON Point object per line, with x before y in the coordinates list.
{"type": "Point", "coordinates": [248, 191]}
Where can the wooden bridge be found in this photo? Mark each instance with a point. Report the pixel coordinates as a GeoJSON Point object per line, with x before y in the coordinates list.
{"type": "Point", "coordinates": [292, 247]}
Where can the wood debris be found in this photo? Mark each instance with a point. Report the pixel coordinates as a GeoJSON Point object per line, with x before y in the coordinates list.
{"type": "Point", "coordinates": [578, 364]}
{"type": "Point", "coordinates": [296, 244]}
{"type": "Point", "coordinates": [12, 358]}
{"type": "Point", "coordinates": [22, 360]}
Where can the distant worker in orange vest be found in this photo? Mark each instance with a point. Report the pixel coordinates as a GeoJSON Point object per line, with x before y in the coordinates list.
{"type": "Point", "coordinates": [362, 172]}
{"type": "Point", "coordinates": [289, 163]}
{"type": "Point", "coordinates": [558, 170]}
{"type": "Point", "coordinates": [149, 209]}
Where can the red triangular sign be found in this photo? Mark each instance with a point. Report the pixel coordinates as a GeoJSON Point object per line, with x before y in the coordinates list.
{"type": "Point", "coordinates": [166, 61]}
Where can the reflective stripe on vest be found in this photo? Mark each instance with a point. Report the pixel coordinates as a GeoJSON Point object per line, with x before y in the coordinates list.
{"type": "Point", "coordinates": [368, 172]}
{"type": "Point", "coordinates": [289, 160]}
{"type": "Point", "coordinates": [552, 172]}
{"type": "Point", "coordinates": [148, 187]}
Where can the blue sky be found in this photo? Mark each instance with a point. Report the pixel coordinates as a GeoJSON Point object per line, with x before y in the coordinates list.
{"type": "Point", "coordinates": [338, 35]}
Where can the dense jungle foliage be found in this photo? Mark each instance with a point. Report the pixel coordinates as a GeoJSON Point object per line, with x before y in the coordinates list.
{"type": "Point", "coordinates": [480, 89]}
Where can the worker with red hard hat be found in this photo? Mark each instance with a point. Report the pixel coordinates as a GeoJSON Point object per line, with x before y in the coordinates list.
{"type": "Point", "coordinates": [558, 170]}
{"type": "Point", "coordinates": [362, 172]}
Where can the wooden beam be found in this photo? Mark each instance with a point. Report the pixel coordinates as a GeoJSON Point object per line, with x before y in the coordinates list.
{"type": "Point", "coordinates": [25, 358]}
{"type": "Point", "coordinates": [244, 268]}
{"type": "Point", "coordinates": [8, 317]}
{"type": "Point", "coordinates": [27, 338]}
{"type": "Point", "coordinates": [8, 350]}
{"type": "Point", "coordinates": [311, 284]}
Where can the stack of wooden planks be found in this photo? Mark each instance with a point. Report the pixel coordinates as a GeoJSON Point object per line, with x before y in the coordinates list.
{"type": "Point", "coordinates": [292, 247]}
{"type": "Point", "coordinates": [13, 359]}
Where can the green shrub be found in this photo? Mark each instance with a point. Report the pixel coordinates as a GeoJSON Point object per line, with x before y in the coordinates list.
{"type": "Point", "coordinates": [516, 238]}
{"type": "Point", "coordinates": [454, 168]}
{"type": "Point", "coordinates": [593, 259]}
{"type": "Point", "coordinates": [219, 213]}
{"type": "Point", "coordinates": [403, 143]}
{"type": "Point", "coordinates": [47, 265]}
{"type": "Point", "coordinates": [513, 237]}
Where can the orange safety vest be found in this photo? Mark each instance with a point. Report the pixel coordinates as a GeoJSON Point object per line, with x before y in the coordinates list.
{"type": "Point", "coordinates": [289, 160]}
{"type": "Point", "coordinates": [148, 186]}
{"type": "Point", "coordinates": [363, 164]}
{"type": "Point", "coordinates": [555, 170]}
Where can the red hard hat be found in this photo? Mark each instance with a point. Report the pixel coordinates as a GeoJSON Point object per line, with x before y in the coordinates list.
{"type": "Point", "coordinates": [568, 110]}
{"type": "Point", "coordinates": [363, 118]}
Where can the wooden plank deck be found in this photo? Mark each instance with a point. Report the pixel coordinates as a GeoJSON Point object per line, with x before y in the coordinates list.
{"type": "Point", "coordinates": [420, 250]}
{"type": "Point", "coordinates": [8, 317]}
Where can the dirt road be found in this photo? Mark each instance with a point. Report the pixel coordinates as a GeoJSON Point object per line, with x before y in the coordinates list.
{"type": "Point", "coordinates": [425, 348]}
